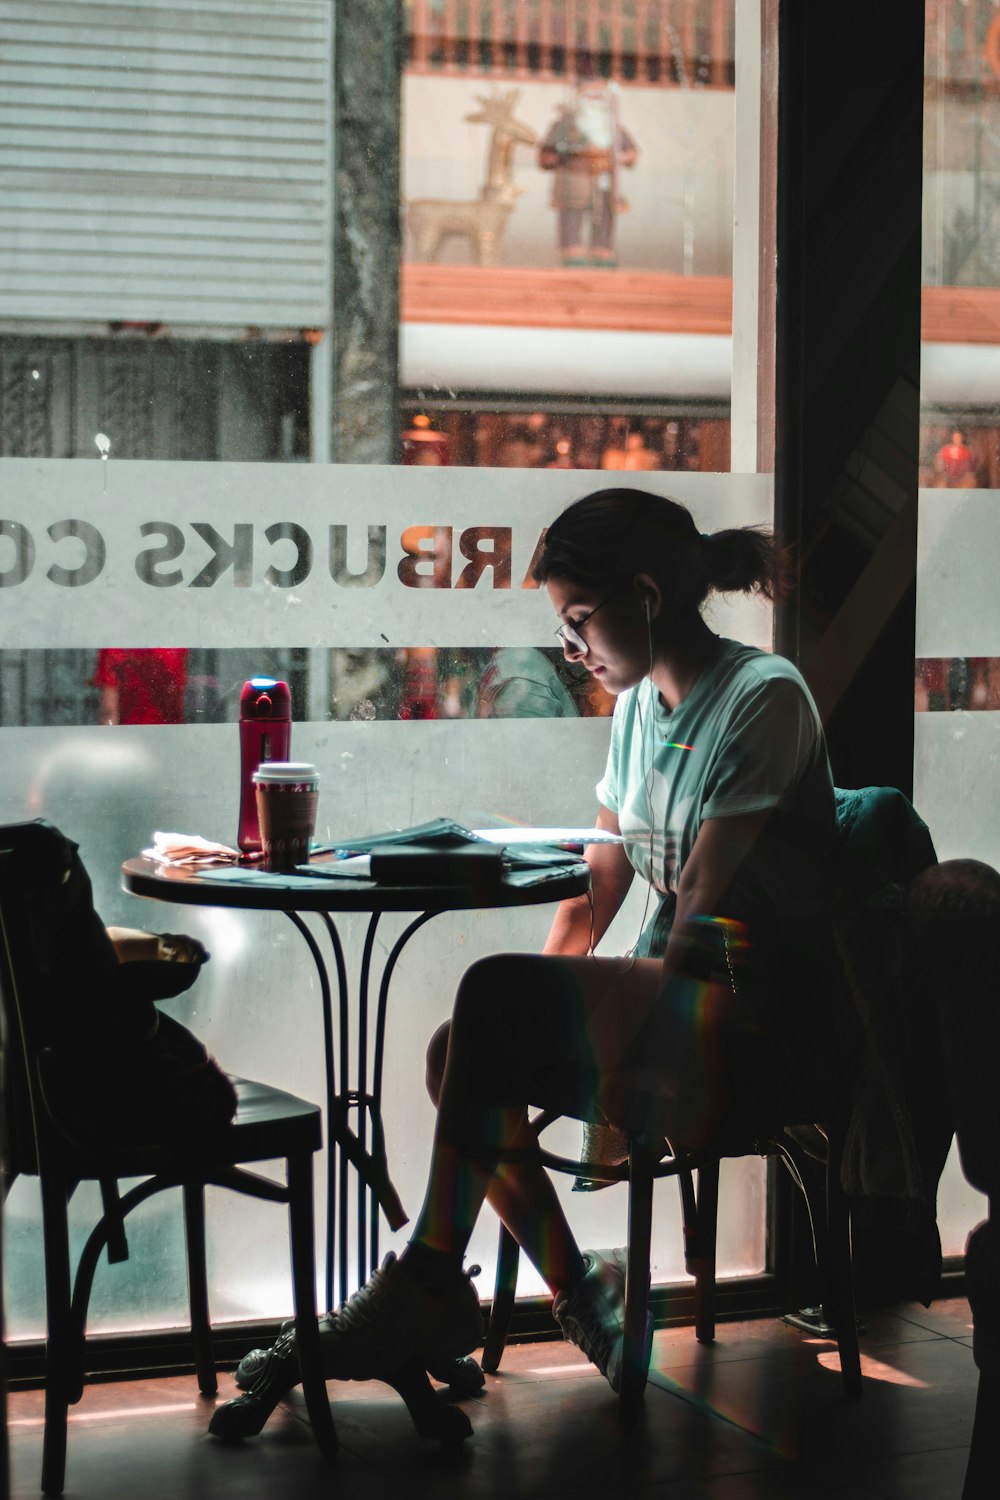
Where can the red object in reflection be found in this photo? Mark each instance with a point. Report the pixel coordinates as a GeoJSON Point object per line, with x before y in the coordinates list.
{"type": "Point", "coordinates": [955, 463]}
{"type": "Point", "coordinates": [422, 445]}
{"type": "Point", "coordinates": [419, 698]}
{"type": "Point", "coordinates": [141, 687]}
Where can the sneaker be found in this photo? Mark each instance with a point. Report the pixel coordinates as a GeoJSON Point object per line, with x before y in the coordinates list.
{"type": "Point", "coordinates": [592, 1313]}
{"type": "Point", "coordinates": [246, 1415]}
{"type": "Point", "coordinates": [251, 1364]}
{"type": "Point", "coordinates": [462, 1375]}
{"type": "Point", "coordinates": [393, 1319]}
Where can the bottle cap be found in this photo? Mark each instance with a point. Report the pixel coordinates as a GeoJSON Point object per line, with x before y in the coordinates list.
{"type": "Point", "coordinates": [265, 698]}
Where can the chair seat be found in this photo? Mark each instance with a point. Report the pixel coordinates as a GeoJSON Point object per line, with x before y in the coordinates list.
{"type": "Point", "coordinates": [268, 1124]}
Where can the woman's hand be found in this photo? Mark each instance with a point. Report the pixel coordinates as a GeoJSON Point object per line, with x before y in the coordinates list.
{"type": "Point", "coordinates": [134, 946]}
{"type": "Point", "coordinates": [580, 923]}
{"type": "Point", "coordinates": [179, 948]}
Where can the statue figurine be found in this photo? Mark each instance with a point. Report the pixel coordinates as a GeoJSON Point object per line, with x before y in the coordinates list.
{"type": "Point", "coordinates": [585, 148]}
{"type": "Point", "coordinates": [480, 221]}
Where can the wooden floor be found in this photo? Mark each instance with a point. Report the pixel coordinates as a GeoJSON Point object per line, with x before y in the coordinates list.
{"type": "Point", "coordinates": [759, 1414]}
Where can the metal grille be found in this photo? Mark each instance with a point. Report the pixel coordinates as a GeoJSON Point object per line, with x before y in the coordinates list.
{"type": "Point", "coordinates": [153, 398]}
{"type": "Point", "coordinates": [671, 43]}
{"type": "Point", "coordinates": [167, 162]}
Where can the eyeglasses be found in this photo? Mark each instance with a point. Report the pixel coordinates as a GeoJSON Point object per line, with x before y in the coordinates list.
{"type": "Point", "coordinates": [570, 635]}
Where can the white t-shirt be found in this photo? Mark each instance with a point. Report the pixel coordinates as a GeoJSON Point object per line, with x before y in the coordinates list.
{"type": "Point", "coordinates": [746, 739]}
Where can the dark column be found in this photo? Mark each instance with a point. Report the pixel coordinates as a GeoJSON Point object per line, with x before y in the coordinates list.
{"type": "Point", "coordinates": [850, 123]}
{"type": "Point", "coordinates": [367, 68]}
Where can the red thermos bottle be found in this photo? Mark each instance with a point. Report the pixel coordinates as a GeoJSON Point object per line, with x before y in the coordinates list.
{"type": "Point", "coordinates": [265, 734]}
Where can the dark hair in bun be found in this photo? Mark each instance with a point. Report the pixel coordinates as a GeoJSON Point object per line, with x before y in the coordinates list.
{"type": "Point", "coordinates": [746, 560]}
{"type": "Point", "coordinates": [608, 537]}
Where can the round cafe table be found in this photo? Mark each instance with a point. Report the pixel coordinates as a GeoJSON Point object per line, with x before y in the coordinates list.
{"type": "Point", "coordinates": [311, 901]}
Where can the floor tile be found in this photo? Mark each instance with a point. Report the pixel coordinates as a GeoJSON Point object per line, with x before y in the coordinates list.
{"type": "Point", "coordinates": [918, 1476]}
{"type": "Point", "coordinates": [918, 1396]}
{"type": "Point", "coordinates": [674, 1347]}
{"type": "Point", "coordinates": [759, 1415]}
{"type": "Point", "coordinates": [770, 1484]}
{"type": "Point", "coordinates": [536, 1436]}
{"type": "Point", "coordinates": [950, 1318]}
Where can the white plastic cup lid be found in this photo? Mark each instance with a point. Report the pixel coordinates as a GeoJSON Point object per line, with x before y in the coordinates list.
{"type": "Point", "coordinates": [285, 772]}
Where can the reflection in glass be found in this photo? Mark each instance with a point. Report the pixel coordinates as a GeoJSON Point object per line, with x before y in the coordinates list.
{"type": "Point", "coordinates": [945, 683]}
{"type": "Point", "coordinates": [184, 310]}
{"type": "Point", "coordinates": [141, 687]}
{"type": "Point", "coordinates": [960, 436]}
{"type": "Point", "coordinates": [585, 149]}
{"type": "Point", "coordinates": [202, 686]}
{"type": "Point", "coordinates": [959, 440]}
{"type": "Point", "coordinates": [483, 434]}
{"type": "Point", "coordinates": [595, 82]}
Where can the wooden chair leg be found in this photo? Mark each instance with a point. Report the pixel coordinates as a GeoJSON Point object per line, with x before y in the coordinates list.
{"type": "Point", "coordinates": [701, 1262]}
{"type": "Point", "coordinates": [60, 1351]}
{"type": "Point", "coordinates": [635, 1355]}
{"type": "Point", "coordinates": [508, 1259]}
{"type": "Point", "coordinates": [303, 1251]}
{"type": "Point", "coordinates": [201, 1328]}
{"type": "Point", "coordinates": [838, 1300]}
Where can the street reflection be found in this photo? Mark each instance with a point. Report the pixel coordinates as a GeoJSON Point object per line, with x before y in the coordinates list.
{"type": "Point", "coordinates": [168, 685]}
{"type": "Point", "coordinates": [948, 683]}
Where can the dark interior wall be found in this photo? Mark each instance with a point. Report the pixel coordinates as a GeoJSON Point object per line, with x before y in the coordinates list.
{"type": "Point", "coordinates": [849, 175]}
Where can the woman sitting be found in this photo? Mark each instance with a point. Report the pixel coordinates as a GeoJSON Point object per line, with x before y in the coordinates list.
{"type": "Point", "coordinates": [719, 783]}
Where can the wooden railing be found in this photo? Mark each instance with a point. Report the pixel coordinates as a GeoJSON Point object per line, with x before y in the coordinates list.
{"type": "Point", "coordinates": [623, 301]}
{"type": "Point", "coordinates": [672, 43]}
{"type": "Point", "coordinates": [667, 42]}
{"type": "Point", "coordinates": [963, 43]}
{"type": "Point", "coordinates": [641, 302]}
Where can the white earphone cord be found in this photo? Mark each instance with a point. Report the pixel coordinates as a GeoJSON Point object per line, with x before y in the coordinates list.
{"type": "Point", "coordinates": [648, 782]}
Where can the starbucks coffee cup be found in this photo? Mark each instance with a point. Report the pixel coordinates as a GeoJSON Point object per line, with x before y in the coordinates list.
{"type": "Point", "coordinates": [287, 796]}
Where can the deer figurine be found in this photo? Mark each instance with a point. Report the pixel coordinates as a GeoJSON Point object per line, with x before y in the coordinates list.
{"type": "Point", "coordinates": [482, 220]}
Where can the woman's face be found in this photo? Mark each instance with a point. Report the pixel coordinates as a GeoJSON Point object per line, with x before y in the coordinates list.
{"type": "Point", "coordinates": [616, 636]}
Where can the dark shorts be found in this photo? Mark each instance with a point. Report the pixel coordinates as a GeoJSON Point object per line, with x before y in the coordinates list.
{"type": "Point", "coordinates": [766, 1036]}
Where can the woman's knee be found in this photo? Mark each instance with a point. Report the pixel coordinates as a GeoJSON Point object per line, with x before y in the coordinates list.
{"type": "Point", "coordinates": [437, 1054]}
{"type": "Point", "coordinates": [492, 990]}
{"type": "Point", "coordinates": [485, 1010]}
{"type": "Point", "coordinates": [503, 1014]}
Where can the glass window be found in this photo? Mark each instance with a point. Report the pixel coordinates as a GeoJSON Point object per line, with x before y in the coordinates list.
{"type": "Point", "coordinates": [958, 649]}
{"type": "Point", "coordinates": [568, 179]}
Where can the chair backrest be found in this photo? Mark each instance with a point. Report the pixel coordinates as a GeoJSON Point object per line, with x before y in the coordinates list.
{"type": "Point", "coordinates": [20, 986]}
{"type": "Point", "coordinates": [58, 978]}
{"type": "Point", "coordinates": [98, 1074]}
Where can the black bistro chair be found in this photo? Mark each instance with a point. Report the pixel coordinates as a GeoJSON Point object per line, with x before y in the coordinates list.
{"type": "Point", "coordinates": [697, 1175]}
{"type": "Point", "coordinates": [882, 848]}
{"type": "Point", "coordinates": [268, 1125]}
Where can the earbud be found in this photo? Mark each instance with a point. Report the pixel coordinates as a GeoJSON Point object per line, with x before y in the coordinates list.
{"type": "Point", "coordinates": [648, 610]}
